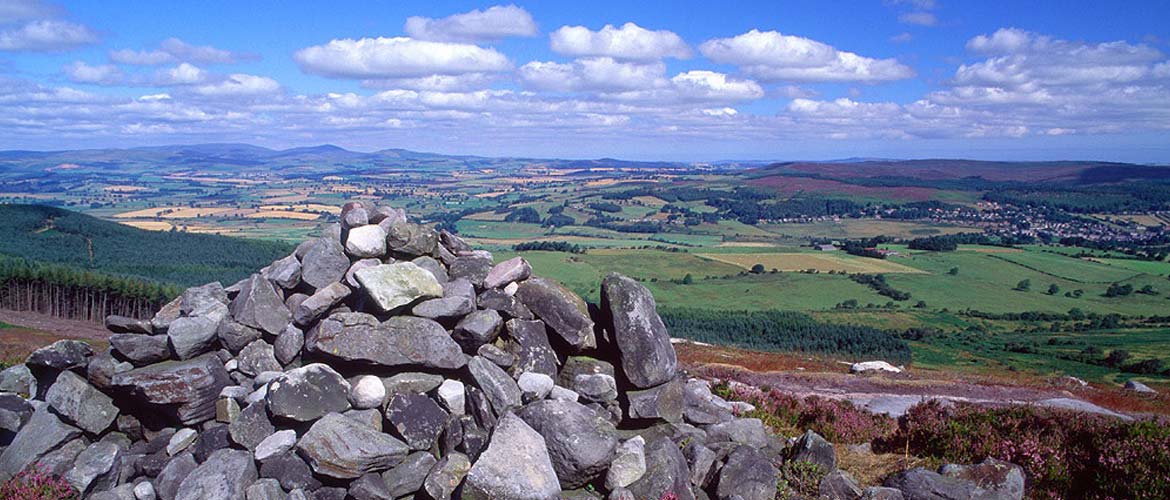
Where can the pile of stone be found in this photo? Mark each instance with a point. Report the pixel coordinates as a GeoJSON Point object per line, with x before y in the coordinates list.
{"type": "Point", "coordinates": [383, 360]}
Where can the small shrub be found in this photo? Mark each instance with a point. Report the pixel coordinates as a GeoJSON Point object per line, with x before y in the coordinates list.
{"type": "Point", "coordinates": [36, 484]}
{"type": "Point", "coordinates": [836, 421]}
{"type": "Point", "coordinates": [799, 479]}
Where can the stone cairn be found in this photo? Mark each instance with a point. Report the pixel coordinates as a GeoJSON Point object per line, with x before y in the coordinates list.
{"type": "Point", "coordinates": [384, 360]}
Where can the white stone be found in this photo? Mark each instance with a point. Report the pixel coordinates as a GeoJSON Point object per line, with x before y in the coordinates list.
{"type": "Point", "coordinates": [257, 395]}
{"type": "Point", "coordinates": [279, 442]}
{"type": "Point", "coordinates": [534, 386]}
{"type": "Point", "coordinates": [144, 491]}
{"type": "Point", "coordinates": [562, 394]}
{"type": "Point", "coordinates": [181, 440]}
{"type": "Point", "coordinates": [366, 241]}
{"type": "Point", "coordinates": [511, 288]}
{"type": "Point", "coordinates": [508, 271]}
{"type": "Point", "coordinates": [367, 392]}
{"type": "Point", "coordinates": [395, 285]}
{"type": "Point", "coordinates": [872, 366]}
{"type": "Point", "coordinates": [232, 365]}
{"type": "Point", "coordinates": [453, 396]}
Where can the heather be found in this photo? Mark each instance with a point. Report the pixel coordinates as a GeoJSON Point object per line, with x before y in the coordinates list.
{"type": "Point", "coordinates": [837, 421]}
{"type": "Point", "coordinates": [1064, 453]}
{"type": "Point", "coordinates": [36, 484]}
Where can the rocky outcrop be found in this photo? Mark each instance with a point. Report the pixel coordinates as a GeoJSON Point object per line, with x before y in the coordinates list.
{"type": "Point", "coordinates": [384, 360]}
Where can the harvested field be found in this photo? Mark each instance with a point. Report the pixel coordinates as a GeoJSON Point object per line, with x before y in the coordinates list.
{"type": "Point", "coordinates": [804, 261]}
{"type": "Point", "coordinates": [283, 214]}
{"type": "Point", "coordinates": [149, 225]}
{"type": "Point", "coordinates": [125, 189]}
{"type": "Point", "coordinates": [304, 207]}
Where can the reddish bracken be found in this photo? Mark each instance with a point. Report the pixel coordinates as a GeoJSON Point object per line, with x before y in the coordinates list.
{"type": "Point", "coordinates": [36, 484]}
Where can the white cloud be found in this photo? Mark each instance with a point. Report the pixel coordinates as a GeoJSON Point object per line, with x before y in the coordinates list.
{"type": "Point", "coordinates": [630, 42]}
{"type": "Point", "coordinates": [494, 23]}
{"type": "Point", "coordinates": [399, 57]}
{"type": "Point", "coordinates": [440, 83]}
{"type": "Point", "coordinates": [183, 74]}
{"type": "Point", "coordinates": [141, 57]}
{"type": "Point", "coordinates": [711, 86]}
{"type": "Point", "coordinates": [918, 18]}
{"type": "Point", "coordinates": [20, 10]}
{"type": "Point", "coordinates": [239, 84]}
{"type": "Point", "coordinates": [592, 74]}
{"type": "Point", "coordinates": [771, 56]}
{"type": "Point", "coordinates": [105, 74]}
{"type": "Point", "coordinates": [902, 37]}
{"type": "Point", "coordinates": [47, 36]}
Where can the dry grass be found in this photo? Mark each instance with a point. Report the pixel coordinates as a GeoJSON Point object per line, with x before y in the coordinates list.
{"type": "Point", "coordinates": [870, 469]}
{"type": "Point", "coordinates": [756, 361]}
{"type": "Point", "coordinates": [149, 225]}
{"type": "Point", "coordinates": [650, 201]}
{"type": "Point", "coordinates": [125, 189]}
{"type": "Point", "coordinates": [304, 207]}
{"type": "Point", "coordinates": [283, 214]}
{"type": "Point", "coordinates": [803, 261]}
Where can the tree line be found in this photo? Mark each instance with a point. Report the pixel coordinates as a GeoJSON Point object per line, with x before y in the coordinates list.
{"type": "Point", "coordinates": [71, 293]}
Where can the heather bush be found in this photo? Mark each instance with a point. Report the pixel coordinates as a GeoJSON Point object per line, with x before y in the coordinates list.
{"type": "Point", "coordinates": [836, 421]}
{"type": "Point", "coordinates": [36, 484]}
{"type": "Point", "coordinates": [798, 480]}
{"type": "Point", "coordinates": [1064, 454]}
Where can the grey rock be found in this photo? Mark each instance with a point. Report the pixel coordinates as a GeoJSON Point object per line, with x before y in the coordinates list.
{"type": "Point", "coordinates": [324, 263]}
{"type": "Point", "coordinates": [290, 470]}
{"type": "Point", "coordinates": [994, 478]}
{"type": "Point", "coordinates": [473, 268]}
{"type": "Point", "coordinates": [226, 410]}
{"type": "Point", "coordinates": [123, 324]}
{"type": "Point", "coordinates": [257, 357]}
{"type": "Point", "coordinates": [444, 478]}
{"type": "Point", "coordinates": [747, 431]}
{"type": "Point", "coordinates": [322, 300]}
{"type": "Point", "coordinates": [516, 465]}
{"type": "Point", "coordinates": [666, 472]}
{"type": "Point", "coordinates": [354, 214]}
{"type": "Point", "coordinates": [366, 242]}
{"type": "Point", "coordinates": [561, 309]}
{"type": "Point", "coordinates": [747, 474]}
{"type": "Point", "coordinates": [260, 306]}
{"type": "Point", "coordinates": [406, 239]}
{"type": "Point", "coordinates": [445, 307]}
{"type": "Point", "coordinates": [701, 407]}
{"type": "Point", "coordinates": [811, 447]}
{"type": "Point", "coordinates": [839, 484]}
{"type": "Point", "coordinates": [285, 273]}
{"type": "Point", "coordinates": [60, 355]}
{"type": "Point", "coordinates": [580, 443]}
{"type": "Point", "coordinates": [411, 383]}
{"type": "Point", "coordinates": [225, 475]}
{"type": "Point", "coordinates": [14, 413]}
{"type": "Point", "coordinates": [399, 341]}
{"type": "Point", "coordinates": [173, 474]}
{"type": "Point", "coordinates": [453, 242]}
{"type": "Point", "coordinates": [80, 404]}
{"type": "Point", "coordinates": [121, 492]}
{"type": "Point", "coordinates": [432, 265]}
{"type": "Point", "coordinates": [140, 349]}
{"type": "Point", "coordinates": [371, 417]}
{"type": "Point", "coordinates": [307, 393]}
{"type": "Point", "coordinates": [597, 387]}
{"type": "Point", "coordinates": [144, 491]}
{"type": "Point", "coordinates": [338, 447]}
{"type": "Point", "coordinates": [329, 493]}
{"type": "Point", "coordinates": [386, 213]}
{"type": "Point", "coordinates": [881, 493]}
{"type": "Point", "coordinates": [96, 468]}
{"type": "Point", "coordinates": [265, 489]}
{"type": "Point", "coordinates": [582, 365]}
{"type": "Point", "coordinates": [562, 394]}
{"type": "Point", "coordinates": [701, 461]}
{"type": "Point", "coordinates": [409, 476]}
{"type": "Point", "coordinates": [416, 418]}
{"type": "Point", "coordinates": [663, 402]}
{"type": "Point", "coordinates": [351, 273]}
{"type": "Point", "coordinates": [185, 391]}
{"type": "Point", "coordinates": [210, 440]}
{"type": "Point", "coordinates": [528, 341]}
{"type": "Point", "coordinates": [180, 440]}
{"type": "Point", "coordinates": [235, 336]}
{"type": "Point", "coordinates": [505, 303]}
{"type": "Point", "coordinates": [18, 379]}
{"type": "Point", "coordinates": [476, 329]}
{"type": "Point", "coordinates": [922, 484]}
{"type": "Point", "coordinates": [631, 316]}
{"type": "Point", "coordinates": [501, 391]}
{"type": "Point", "coordinates": [629, 464]}
{"type": "Point", "coordinates": [621, 494]}
{"type": "Point", "coordinates": [251, 427]}
{"type": "Point", "coordinates": [166, 314]}
{"type": "Point", "coordinates": [101, 369]}
{"type": "Point", "coordinates": [391, 286]}
{"type": "Point", "coordinates": [275, 444]}
{"type": "Point", "coordinates": [500, 357]}
{"type": "Point", "coordinates": [514, 269]}
{"type": "Point", "coordinates": [369, 487]}
{"type": "Point", "coordinates": [534, 386]}
{"type": "Point", "coordinates": [193, 335]}
{"type": "Point", "coordinates": [1135, 386]}
{"type": "Point", "coordinates": [202, 297]}
{"type": "Point", "coordinates": [60, 461]}
{"type": "Point", "coordinates": [288, 345]}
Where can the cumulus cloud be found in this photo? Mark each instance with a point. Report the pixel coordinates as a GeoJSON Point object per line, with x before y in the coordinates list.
{"type": "Point", "coordinates": [141, 57]}
{"type": "Point", "coordinates": [105, 74]}
{"type": "Point", "coordinates": [440, 83]}
{"type": "Point", "coordinates": [592, 74]}
{"type": "Point", "coordinates": [176, 50]}
{"type": "Point", "coordinates": [629, 42]}
{"type": "Point", "coordinates": [240, 84]}
{"type": "Point", "coordinates": [47, 36]}
{"type": "Point", "coordinates": [771, 56]}
{"type": "Point", "coordinates": [494, 23]}
{"type": "Point", "coordinates": [20, 10]}
{"type": "Point", "coordinates": [183, 74]}
{"type": "Point", "coordinates": [398, 57]}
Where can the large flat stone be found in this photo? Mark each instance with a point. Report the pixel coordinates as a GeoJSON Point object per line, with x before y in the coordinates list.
{"type": "Point", "coordinates": [391, 286]}
{"type": "Point", "coordinates": [184, 391]}
{"type": "Point", "coordinates": [339, 447]}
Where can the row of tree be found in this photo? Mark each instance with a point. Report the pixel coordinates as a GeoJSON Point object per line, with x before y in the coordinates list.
{"type": "Point", "coordinates": [71, 293]}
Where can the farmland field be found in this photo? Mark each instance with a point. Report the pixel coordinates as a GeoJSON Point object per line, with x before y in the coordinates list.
{"type": "Point", "coordinates": [806, 261]}
{"type": "Point", "coordinates": [1072, 269]}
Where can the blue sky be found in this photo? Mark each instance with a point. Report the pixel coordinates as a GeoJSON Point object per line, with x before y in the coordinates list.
{"type": "Point", "coordinates": [685, 80]}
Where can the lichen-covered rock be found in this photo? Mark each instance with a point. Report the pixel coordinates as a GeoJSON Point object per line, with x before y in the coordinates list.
{"type": "Point", "coordinates": [324, 263]}
{"type": "Point", "coordinates": [445, 477]}
{"type": "Point", "coordinates": [516, 465]}
{"type": "Point", "coordinates": [141, 350]}
{"type": "Point", "coordinates": [224, 476]}
{"type": "Point", "coordinates": [813, 448]}
{"type": "Point", "coordinates": [647, 357]}
{"type": "Point", "coordinates": [508, 271]}
{"type": "Point", "coordinates": [580, 443]}
{"type": "Point", "coordinates": [307, 393]}
{"type": "Point", "coordinates": [528, 341]}
{"type": "Point", "coordinates": [409, 476]}
{"type": "Point", "coordinates": [666, 472]}
{"type": "Point", "coordinates": [82, 405]}
{"type": "Point", "coordinates": [416, 418]}
{"type": "Point", "coordinates": [43, 433]}
{"type": "Point", "coordinates": [995, 478]}
{"type": "Point", "coordinates": [338, 447]}
{"type": "Point", "coordinates": [747, 474]}
{"type": "Point", "coordinates": [184, 391]}
{"type": "Point", "coordinates": [561, 309]}
{"type": "Point", "coordinates": [96, 468]}
{"type": "Point", "coordinates": [391, 286]}
{"type": "Point", "coordinates": [260, 306]}
{"type": "Point", "coordinates": [500, 389]}
{"type": "Point", "coordinates": [399, 341]}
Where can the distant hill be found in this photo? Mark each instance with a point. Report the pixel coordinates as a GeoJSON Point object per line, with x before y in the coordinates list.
{"type": "Point", "coordinates": [58, 236]}
{"type": "Point", "coordinates": [1071, 172]}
